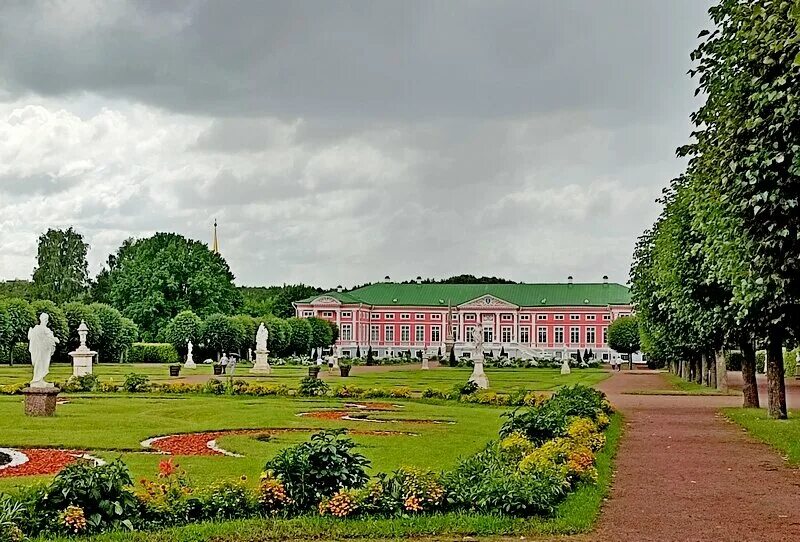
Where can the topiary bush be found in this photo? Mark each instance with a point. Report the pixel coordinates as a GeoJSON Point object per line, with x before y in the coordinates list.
{"type": "Point", "coordinates": [153, 353]}
{"type": "Point", "coordinates": [317, 469]}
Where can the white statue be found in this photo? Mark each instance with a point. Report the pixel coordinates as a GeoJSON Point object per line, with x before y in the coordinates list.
{"type": "Point", "coordinates": [190, 364]}
{"type": "Point", "coordinates": [565, 370]}
{"type": "Point", "coordinates": [42, 345]}
{"type": "Point", "coordinates": [478, 375]}
{"type": "Point", "coordinates": [261, 338]}
{"type": "Point", "coordinates": [477, 338]}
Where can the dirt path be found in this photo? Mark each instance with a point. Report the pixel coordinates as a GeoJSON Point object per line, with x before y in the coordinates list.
{"type": "Point", "coordinates": [685, 473]}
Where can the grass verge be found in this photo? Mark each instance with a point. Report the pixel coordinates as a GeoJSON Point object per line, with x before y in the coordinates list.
{"type": "Point", "coordinates": [783, 435]}
{"type": "Point", "coordinates": [576, 514]}
{"type": "Point", "coordinates": [680, 386]}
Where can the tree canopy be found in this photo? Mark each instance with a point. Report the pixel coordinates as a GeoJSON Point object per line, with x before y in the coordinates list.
{"type": "Point", "coordinates": [62, 272]}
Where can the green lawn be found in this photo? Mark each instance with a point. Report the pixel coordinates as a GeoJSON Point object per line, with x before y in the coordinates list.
{"type": "Point", "coordinates": [783, 435]}
{"type": "Point", "coordinates": [577, 514]}
{"type": "Point", "coordinates": [675, 385]}
{"type": "Point", "coordinates": [443, 378]}
{"type": "Point", "coordinates": [114, 425]}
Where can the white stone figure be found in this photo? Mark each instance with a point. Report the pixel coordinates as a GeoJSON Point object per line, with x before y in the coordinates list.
{"type": "Point", "coordinates": [478, 375]}
{"type": "Point", "coordinates": [425, 365]}
{"type": "Point", "coordinates": [82, 357]}
{"type": "Point", "coordinates": [565, 370]}
{"type": "Point", "coordinates": [41, 344]}
{"type": "Point", "coordinates": [190, 364]}
{"type": "Point", "coordinates": [261, 338]}
{"type": "Point", "coordinates": [261, 366]}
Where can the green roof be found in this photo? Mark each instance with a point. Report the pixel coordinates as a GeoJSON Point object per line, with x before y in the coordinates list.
{"type": "Point", "coordinates": [524, 295]}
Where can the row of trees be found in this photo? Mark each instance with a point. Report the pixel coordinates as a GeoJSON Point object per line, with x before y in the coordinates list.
{"type": "Point", "coordinates": [718, 269]}
{"type": "Point", "coordinates": [110, 333]}
{"type": "Point", "coordinates": [219, 333]}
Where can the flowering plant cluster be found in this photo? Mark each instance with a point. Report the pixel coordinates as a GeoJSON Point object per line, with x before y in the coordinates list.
{"type": "Point", "coordinates": [272, 495]}
{"type": "Point", "coordinates": [73, 519]}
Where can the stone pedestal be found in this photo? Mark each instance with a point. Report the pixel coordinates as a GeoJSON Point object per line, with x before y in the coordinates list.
{"type": "Point", "coordinates": [478, 376]}
{"type": "Point", "coordinates": [40, 401]}
{"type": "Point", "coordinates": [82, 362]}
{"type": "Point", "coordinates": [261, 365]}
{"type": "Point", "coordinates": [425, 365]}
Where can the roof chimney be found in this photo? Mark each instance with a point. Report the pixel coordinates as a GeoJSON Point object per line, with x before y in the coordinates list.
{"type": "Point", "coordinates": [605, 279]}
{"type": "Point", "coordinates": [419, 279]}
{"type": "Point", "coordinates": [387, 279]}
{"type": "Point", "coordinates": [339, 288]}
{"type": "Point", "coordinates": [569, 280]}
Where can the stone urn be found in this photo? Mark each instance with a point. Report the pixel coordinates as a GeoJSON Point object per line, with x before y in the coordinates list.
{"type": "Point", "coordinates": [313, 371]}
{"type": "Point", "coordinates": [344, 370]}
{"type": "Point", "coordinates": [174, 370]}
{"type": "Point", "coordinates": [217, 369]}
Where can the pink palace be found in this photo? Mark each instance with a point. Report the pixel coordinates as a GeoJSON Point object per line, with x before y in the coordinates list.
{"type": "Point", "coordinates": [524, 320]}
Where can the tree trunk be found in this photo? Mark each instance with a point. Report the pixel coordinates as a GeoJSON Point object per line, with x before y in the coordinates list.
{"type": "Point", "coordinates": [703, 369]}
{"type": "Point", "coordinates": [712, 370]}
{"type": "Point", "coordinates": [721, 372]}
{"type": "Point", "coordinates": [776, 387]}
{"type": "Point", "coordinates": [750, 385]}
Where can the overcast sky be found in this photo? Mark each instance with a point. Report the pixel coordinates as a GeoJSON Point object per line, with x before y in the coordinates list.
{"type": "Point", "coordinates": [338, 142]}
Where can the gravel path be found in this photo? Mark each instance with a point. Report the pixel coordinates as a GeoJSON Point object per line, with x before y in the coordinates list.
{"type": "Point", "coordinates": [685, 473]}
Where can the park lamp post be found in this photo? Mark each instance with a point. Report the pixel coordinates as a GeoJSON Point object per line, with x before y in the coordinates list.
{"type": "Point", "coordinates": [630, 357]}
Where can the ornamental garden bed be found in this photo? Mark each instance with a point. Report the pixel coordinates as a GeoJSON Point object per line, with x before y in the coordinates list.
{"type": "Point", "coordinates": [553, 455]}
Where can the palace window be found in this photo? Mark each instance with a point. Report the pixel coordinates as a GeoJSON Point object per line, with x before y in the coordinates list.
{"type": "Point", "coordinates": [419, 334]}
{"type": "Point", "coordinates": [591, 317]}
{"type": "Point", "coordinates": [541, 317]}
{"type": "Point", "coordinates": [470, 333]}
{"type": "Point", "coordinates": [405, 333]}
{"type": "Point", "coordinates": [388, 333]}
{"type": "Point", "coordinates": [558, 335]}
{"type": "Point", "coordinates": [574, 335]}
{"type": "Point", "coordinates": [347, 332]}
{"type": "Point", "coordinates": [436, 316]}
{"type": "Point", "coordinates": [605, 335]}
{"type": "Point", "coordinates": [542, 332]}
{"type": "Point", "coordinates": [590, 335]}
{"type": "Point", "coordinates": [469, 317]}
{"type": "Point", "coordinates": [311, 313]}
{"type": "Point", "coordinates": [525, 335]}
{"type": "Point", "coordinates": [436, 334]}
{"type": "Point", "coordinates": [558, 317]}
{"type": "Point", "coordinates": [488, 335]}
{"type": "Point", "coordinates": [506, 317]}
{"type": "Point", "coordinates": [524, 317]}
{"type": "Point", "coordinates": [389, 316]}
{"type": "Point", "coordinates": [347, 314]}
{"type": "Point", "coordinates": [375, 316]}
{"type": "Point", "coordinates": [606, 317]}
{"type": "Point", "coordinates": [419, 316]}
{"type": "Point", "coordinates": [455, 333]}
{"type": "Point", "coordinates": [405, 316]}
{"type": "Point", "coordinates": [375, 333]}
{"type": "Point", "coordinates": [574, 316]}
{"type": "Point", "coordinates": [505, 334]}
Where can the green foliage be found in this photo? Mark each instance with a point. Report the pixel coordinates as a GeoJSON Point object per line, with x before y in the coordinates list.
{"type": "Point", "coordinates": [17, 288]}
{"type": "Point", "coordinates": [220, 333]}
{"type": "Point", "coordinates": [113, 341]}
{"type": "Point", "coordinates": [84, 383]}
{"type": "Point", "coordinates": [733, 361]}
{"type": "Point", "coordinates": [153, 353]}
{"type": "Point", "coordinates": [16, 318]}
{"type": "Point", "coordinates": [185, 327]}
{"type": "Point", "coordinates": [623, 334]}
{"type": "Point", "coordinates": [136, 383]}
{"type": "Point", "coordinates": [76, 313]}
{"type": "Point", "coordinates": [317, 469]}
{"type": "Point", "coordinates": [312, 387]}
{"type": "Point", "coordinates": [57, 321]}
{"type": "Point", "coordinates": [152, 280]}
{"type": "Point", "coordinates": [246, 328]}
{"type": "Point", "coordinates": [12, 515]}
{"type": "Point", "coordinates": [229, 500]}
{"type": "Point", "coordinates": [300, 342]}
{"type": "Point", "coordinates": [62, 272]}
{"type": "Point", "coordinates": [321, 333]}
{"type": "Point", "coordinates": [103, 492]}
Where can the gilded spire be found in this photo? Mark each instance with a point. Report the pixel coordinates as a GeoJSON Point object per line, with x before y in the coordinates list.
{"type": "Point", "coordinates": [215, 240]}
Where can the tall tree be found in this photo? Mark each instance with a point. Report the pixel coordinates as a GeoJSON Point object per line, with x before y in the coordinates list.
{"type": "Point", "coordinates": [62, 272]}
{"type": "Point", "coordinates": [152, 280]}
{"type": "Point", "coordinates": [623, 336]}
{"type": "Point", "coordinates": [16, 318]}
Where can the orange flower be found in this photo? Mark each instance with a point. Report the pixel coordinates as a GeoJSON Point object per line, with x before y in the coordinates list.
{"type": "Point", "coordinates": [166, 468]}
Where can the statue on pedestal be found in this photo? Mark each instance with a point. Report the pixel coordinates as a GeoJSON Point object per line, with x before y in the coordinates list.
{"type": "Point", "coordinates": [478, 375]}
{"type": "Point", "coordinates": [41, 344]}
{"type": "Point", "coordinates": [261, 365]}
{"type": "Point", "coordinates": [83, 356]}
{"type": "Point", "coordinates": [190, 364]}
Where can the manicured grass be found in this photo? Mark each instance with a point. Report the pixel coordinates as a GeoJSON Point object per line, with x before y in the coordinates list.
{"type": "Point", "coordinates": [675, 385]}
{"type": "Point", "coordinates": [577, 514]}
{"type": "Point", "coordinates": [442, 378]}
{"type": "Point", "coordinates": [111, 426]}
{"type": "Point", "coordinates": [783, 435]}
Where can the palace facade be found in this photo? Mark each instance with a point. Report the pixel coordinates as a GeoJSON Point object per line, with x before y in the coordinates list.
{"type": "Point", "coordinates": [524, 320]}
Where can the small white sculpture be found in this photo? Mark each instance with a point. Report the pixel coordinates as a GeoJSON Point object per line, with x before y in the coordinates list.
{"type": "Point", "coordinates": [261, 338]}
{"type": "Point", "coordinates": [190, 364]}
{"type": "Point", "coordinates": [478, 375]}
{"type": "Point", "coordinates": [565, 370]}
{"type": "Point", "coordinates": [41, 344]}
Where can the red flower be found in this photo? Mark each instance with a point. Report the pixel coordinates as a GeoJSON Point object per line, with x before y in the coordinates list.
{"type": "Point", "coordinates": [166, 468]}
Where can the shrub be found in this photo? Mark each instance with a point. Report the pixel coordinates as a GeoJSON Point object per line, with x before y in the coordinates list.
{"type": "Point", "coordinates": [12, 513]}
{"type": "Point", "coordinates": [260, 389]}
{"type": "Point", "coordinates": [317, 469]}
{"type": "Point", "coordinates": [21, 353]}
{"type": "Point", "coordinates": [12, 389]}
{"type": "Point", "coordinates": [400, 392]}
{"type": "Point", "coordinates": [348, 391]}
{"type": "Point", "coordinates": [515, 447]}
{"type": "Point", "coordinates": [230, 500]}
{"type": "Point", "coordinates": [430, 393]}
{"type": "Point", "coordinates": [214, 387]}
{"type": "Point", "coordinates": [153, 353]}
{"type": "Point", "coordinates": [407, 490]}
{"type": "Point", "coordinates": [108, 387]}
{"type": "Point", "coordinates": [102, 492]}
{"type": "Point", "coordinates": [272, 495]}
{"type": "Point", "coordinates": [761, 360]}
{"type": "Point", "coordinates": [342, 504]}
{"type": "Point", "coordinates": [167, 500]}
{"type": "Point", "coordinates": [83, 383]}
{"type": "Point", "coordinates": [312, 387]}
{"type": "Point", "coordinates": [733, 361]}
{"type": "Point", "coordinates": [468, 388]}
{"type": "Point", "coordinates": [136, 383]}
{"type": "Point", "coordinates": [586, 433]}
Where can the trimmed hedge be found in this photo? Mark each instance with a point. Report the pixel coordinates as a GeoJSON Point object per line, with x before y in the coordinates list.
{"type": "Point", "coordinates": [153, 353]}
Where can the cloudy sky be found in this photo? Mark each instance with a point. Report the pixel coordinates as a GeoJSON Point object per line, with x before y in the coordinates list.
{"type": "Point", "coordinates": [338, 142]}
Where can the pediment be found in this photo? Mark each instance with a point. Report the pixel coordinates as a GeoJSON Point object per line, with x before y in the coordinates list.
{"type": "Point", "coordinates": [326, 300]}
{"type": "Point", "coordinates": [487, 301]}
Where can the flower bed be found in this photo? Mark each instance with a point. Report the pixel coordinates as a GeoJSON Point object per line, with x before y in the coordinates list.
{"type": "Point", "coordinates": [39, 461]}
